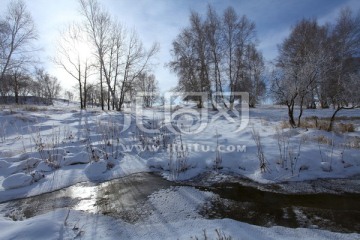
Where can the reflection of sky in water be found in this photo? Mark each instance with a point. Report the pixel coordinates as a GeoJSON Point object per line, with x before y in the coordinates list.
{"type": "Point", "coordinates": [116, 195]}
{"type": "Point", "coordinates": [88, 198]}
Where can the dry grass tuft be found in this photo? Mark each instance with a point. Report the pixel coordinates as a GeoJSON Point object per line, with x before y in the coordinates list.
{"type": "Point", "coordinates": [314, 122]}
{"type": "Point", "coordinates": [31, 109]}
{"type": "Point", "coordinates": [284, 124]}
{"type": "Point", "coordinates": [345, 127]}
{"type": "Point", "coordinates": [323, 139]}
{"type": "Point", "coordinates": [353, 142]}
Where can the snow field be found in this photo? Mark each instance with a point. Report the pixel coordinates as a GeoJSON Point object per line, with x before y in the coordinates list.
{"type": "Point", "coordinates": [43, 152]}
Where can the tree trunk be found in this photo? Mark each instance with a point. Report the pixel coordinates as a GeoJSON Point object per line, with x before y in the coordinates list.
{"type": "Point", "coordinates": [213, 101]}
{"type": "Point", "coordinates": [291, 114]}
{"type": "Point", "coordinates": [200, 103]}
{"type": "Point", "coordinates": [16, 88]}
{"type": "Point", "coordinates": [80, 88]}
{"type": "Point", "coordinates": [301, 111]}
{"type": "Point", "coordinates": [333, 118]}
{"type": "Point", "coordinates": [81, 96]}
{"type": "Point", "coordinates": [231, 100]}
{"type": "Point", "coordinates": [122, 95]}
{"type": "Point", "coordinates": [85, 92]}
{"type": "Point", "coordinates": [324, 104]}
{"type": "Point", "coordinates": [101, 89]}
{"type": "Point", "coordinates": [108, 100]}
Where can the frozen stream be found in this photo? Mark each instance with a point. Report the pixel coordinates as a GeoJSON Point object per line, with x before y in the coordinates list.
{"type": "Point", "coordinates": [128, 199]}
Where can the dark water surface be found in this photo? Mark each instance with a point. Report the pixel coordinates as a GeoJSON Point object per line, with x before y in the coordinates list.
{"type": "Point", "coordinates": [247, 204]}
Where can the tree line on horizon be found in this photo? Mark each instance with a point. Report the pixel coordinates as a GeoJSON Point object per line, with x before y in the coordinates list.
{"type": "Point", "coordinates": [317, 64]}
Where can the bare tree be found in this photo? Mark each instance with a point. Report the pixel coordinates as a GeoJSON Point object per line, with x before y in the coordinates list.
{"type": "Point", "coordinates": [49, 86]}
{"type": "Point", "coordinates": [301, 59]}
{"type": "Point", "coordinates": [137, 61]}
{"type": "Point", "coordinates": [115, 62]}
{"type": "Point", "coordinates": [69, 95]}
{"type": "Point", "coordinates": [16, 83]}
{"type": "Point", "coordinates": [148, 85]}
{"type": "Point", "coordinates": [239, 32]}
{"type": "Point", "coordinates": [17, 32]}
{"type": "Point", "coordinates": [112, 53]}
{"type": "Point", "coordinates": [73, 56]}
{"type": "Point", "coordinates": [213, 49]}
{"type": "Point", "coordinates": [319, 61]}
{"type": "Point", "coordinates": [344, 79]}
{"type": "Point", "coordinates": [184, 62]}
{"type": "Point", "coordinates": [254, 82]}
{"type": "Point", "coordinates": [191, 61]}
{"type": "Point", "coordinates": [214, 38]}
{"type": "Point", "coordinates": [97, 25]}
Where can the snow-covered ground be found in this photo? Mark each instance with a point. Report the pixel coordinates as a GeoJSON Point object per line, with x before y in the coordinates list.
{"type": "Point", "coordinates": [48, 148]}
{"type": "Point", "coordinates": [64, 224]}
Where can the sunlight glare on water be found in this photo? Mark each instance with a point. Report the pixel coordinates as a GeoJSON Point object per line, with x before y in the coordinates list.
{"type": "Point", "coordinates": [88, 195]}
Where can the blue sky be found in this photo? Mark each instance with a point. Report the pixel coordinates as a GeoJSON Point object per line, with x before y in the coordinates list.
{"type": "Point", "coordinates": [162, 20]}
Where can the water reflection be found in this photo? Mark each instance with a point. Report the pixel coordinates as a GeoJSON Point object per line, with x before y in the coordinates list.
{"type": "Point", "coordinates": [247, 204]}
{"type": "Point", "coordinates": [123, 198]}
{"type": "Point", "coordinates": [128, 199]}
{"type": "Point", "coordinates": [87, 197]}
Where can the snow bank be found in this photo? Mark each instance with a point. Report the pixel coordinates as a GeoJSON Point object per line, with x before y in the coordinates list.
{"type": "Point", "coordinates": [26, 164]}
{"type": "Point", "coordinates": [4, 165]}
{"type": "Point", "coordinates": [158, 163]}
{"type": "Point", "coordinates": [80, 158]}
{"type": "Point", "coordinates": [92, 226]}
{"type": "Point", "coordinates": [46, 227]}
{"type": "Point", "coordinates": [44, 167]}
{"type": "Point", "coordinates": [94, 170]}
{"type": "Point", "coordinates": [17, 180]}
